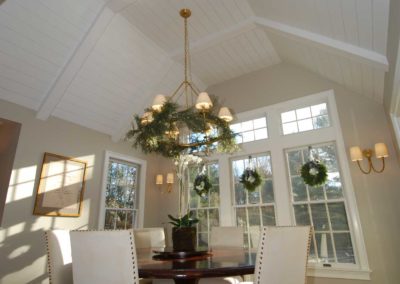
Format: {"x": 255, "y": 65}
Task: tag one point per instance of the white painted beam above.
{"x": 332, "y": 45}
{"x": 216, "y": 38}
{"x": 80, "y": 55}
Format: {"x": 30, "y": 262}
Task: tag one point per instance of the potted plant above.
{"x": 183, "y": 232}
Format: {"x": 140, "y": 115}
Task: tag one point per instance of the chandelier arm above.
{"x": 177, "y": 90}
{"x": 194, "y": 88}
{"x": 383, "y": 166}
{"x": 370, "y": 167}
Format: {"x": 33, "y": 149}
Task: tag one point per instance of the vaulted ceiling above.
{"x": 95, "y": 62}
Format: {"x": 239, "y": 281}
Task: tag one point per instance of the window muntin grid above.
{"x": 206, "y": 209}
{"x": 121, "y": 195}
{"x": 323, "y": 206}
{"x": 250, "y": 130}
{"x": 305, "y": 119}
{"x": 253, "y": 209}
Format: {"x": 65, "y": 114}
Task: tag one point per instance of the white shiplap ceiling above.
{"x": 95, "y": 62}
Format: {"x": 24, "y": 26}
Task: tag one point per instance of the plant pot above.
{"x": 184, "y": 238}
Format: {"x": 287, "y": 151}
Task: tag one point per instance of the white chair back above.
{"x": 104, "y": 257}
{"x": 149, "y": 238}
{"x": 282, "y": 255}
{"x": 226, "y": 237}
{"x": 59, "y": 262}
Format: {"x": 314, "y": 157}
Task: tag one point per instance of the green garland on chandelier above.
{"x": 151, "y": 137}
{"x": 314, "y": 173}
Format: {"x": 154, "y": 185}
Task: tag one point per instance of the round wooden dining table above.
{"x": 216, "y": 263}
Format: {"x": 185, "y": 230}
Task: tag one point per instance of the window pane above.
{"x": 301, "y": 214}
{"x": 268, "y": 215}
{"x": 305, "y": 125}
{"x": 299, "y": 189}
{"x": 288, "y": 116}
{"x": 254, "y": 197}
{"x": 130, "y": 219}
{"x": 214, "y": 218}
{"x": 267, "y": 192}
{"x": 319, "y": 109}
{"x": 110, "y": 220}
{"x": 203, "y": 239}
{"x": 241, "y": 219}
{"x": 325, "y": 249}
{"x": 320, "y": 121}
{"x": 333, "y": 186}
{"x": 338, "y": 216}
{"x": 121, "y": 218}
{"x": 316, "y": 193}
{"x": 248, "y": 136}
{"x": 302, "y": 113}
{"x": 247, "y": 125}
{"x": 295, "y": 162}
{"x": 260, "y": 134}
{"x": 254, "y": 216}
{"x": 319, "y": 217}
{"x": 289, "y": 128}
{"x": 202, "y": 216}
{"x": 260, "y": 123}
{"x": 236, "y": 128}
{"x": 344, "y": 248}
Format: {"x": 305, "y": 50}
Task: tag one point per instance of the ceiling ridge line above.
{"x": 351, "y": 51}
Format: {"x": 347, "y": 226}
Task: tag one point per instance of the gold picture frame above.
{"x": 61, "y": 186}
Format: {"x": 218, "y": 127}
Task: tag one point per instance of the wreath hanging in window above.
{"x": 202, "y": 184}
{"x": 250, "y": 178}
{"x": 314, "y": 172}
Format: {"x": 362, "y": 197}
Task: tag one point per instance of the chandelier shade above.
{"x": 170, "y": 129}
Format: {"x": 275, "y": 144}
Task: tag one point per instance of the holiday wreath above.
{"x": 314, "y": 173}
{"x": 250, "y": 179}
{"x": 202, "y": 185}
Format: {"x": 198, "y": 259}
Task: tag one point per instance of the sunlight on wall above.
{"x": 22, "y": 183}
{"x": 19, "y": 251}
{"x": 90, "y": 160}
{"x": 15, "y": 229}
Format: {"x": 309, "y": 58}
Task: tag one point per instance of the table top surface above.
{"x": 217, "y": 263}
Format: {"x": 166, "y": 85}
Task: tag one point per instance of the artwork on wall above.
{"x": 61, "y": 186}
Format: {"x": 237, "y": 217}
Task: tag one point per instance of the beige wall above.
{"x": 363, "y": 123}
{"x": 22, "y": 251}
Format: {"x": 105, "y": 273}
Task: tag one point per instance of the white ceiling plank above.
{"x": 379, "y": 82}
{"x": 380, "y": 24}
{"x": 16, "y": 98}
{"x": 364, "y": 20}
{"x": 350, "y": 21}
{"x": 216, "y": 38}
{"x": 344, "y": 49}
{"x": 75, "y": 63}
{"x": 336, "y": 19}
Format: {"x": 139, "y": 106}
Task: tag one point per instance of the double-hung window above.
{"x": 122, "y": 192}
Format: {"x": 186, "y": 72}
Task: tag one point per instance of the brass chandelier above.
{"x": 169, "y": 129}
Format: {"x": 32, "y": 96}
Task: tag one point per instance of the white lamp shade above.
{"x": 381, "y": 150}
{"x": 159, "y": 179}
{"x": 147, "y": 118}
{"x": 225, "y": 114}
{"x": 203, "y": 101}
{"x": 170, "y": 178}
{"x": 158, "y": 102}
{"x": 356, "y": 154}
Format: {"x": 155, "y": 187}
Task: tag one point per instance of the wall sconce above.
{"x": 170, "y": 181}
{"x": 381, "y": 152}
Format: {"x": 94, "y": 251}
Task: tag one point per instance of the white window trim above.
{"x": 142, "y": 183}
{"x": 275, "y": 143}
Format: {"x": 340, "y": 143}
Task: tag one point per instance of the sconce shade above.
{"x": 159, "y": 179}
{"x": 158, "y": 102}
{"x": 170, "y": 178}
{"x": 356, "y": 154}
{"x": 381, "y": 150}
{"x": 203, "y": 101}
{"x": 225, "y": 114}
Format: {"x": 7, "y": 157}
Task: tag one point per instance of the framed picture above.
{"x": 61, "y": 186}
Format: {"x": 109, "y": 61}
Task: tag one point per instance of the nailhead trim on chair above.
{"x": 46, "y": 239}
{"x": 264, "y": 233}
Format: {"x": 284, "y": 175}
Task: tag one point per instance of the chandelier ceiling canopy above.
{"x": 170, "y": 129}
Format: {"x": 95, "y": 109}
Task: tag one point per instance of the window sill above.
{"x": 335, "y": 272}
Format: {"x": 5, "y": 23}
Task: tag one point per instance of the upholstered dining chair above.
{"x": 224, "y": 237}
{"x": 104, "y": 257}
{"x": 149, "y": 237}
{"x": 59, "y": 262}
{"x": 282, "y": 255}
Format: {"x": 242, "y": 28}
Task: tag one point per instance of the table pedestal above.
{"x": 186, "y": 281}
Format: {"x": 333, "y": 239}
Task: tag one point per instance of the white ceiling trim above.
{"x": 216, "y": 38}
{"x": 345, "y": 49}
